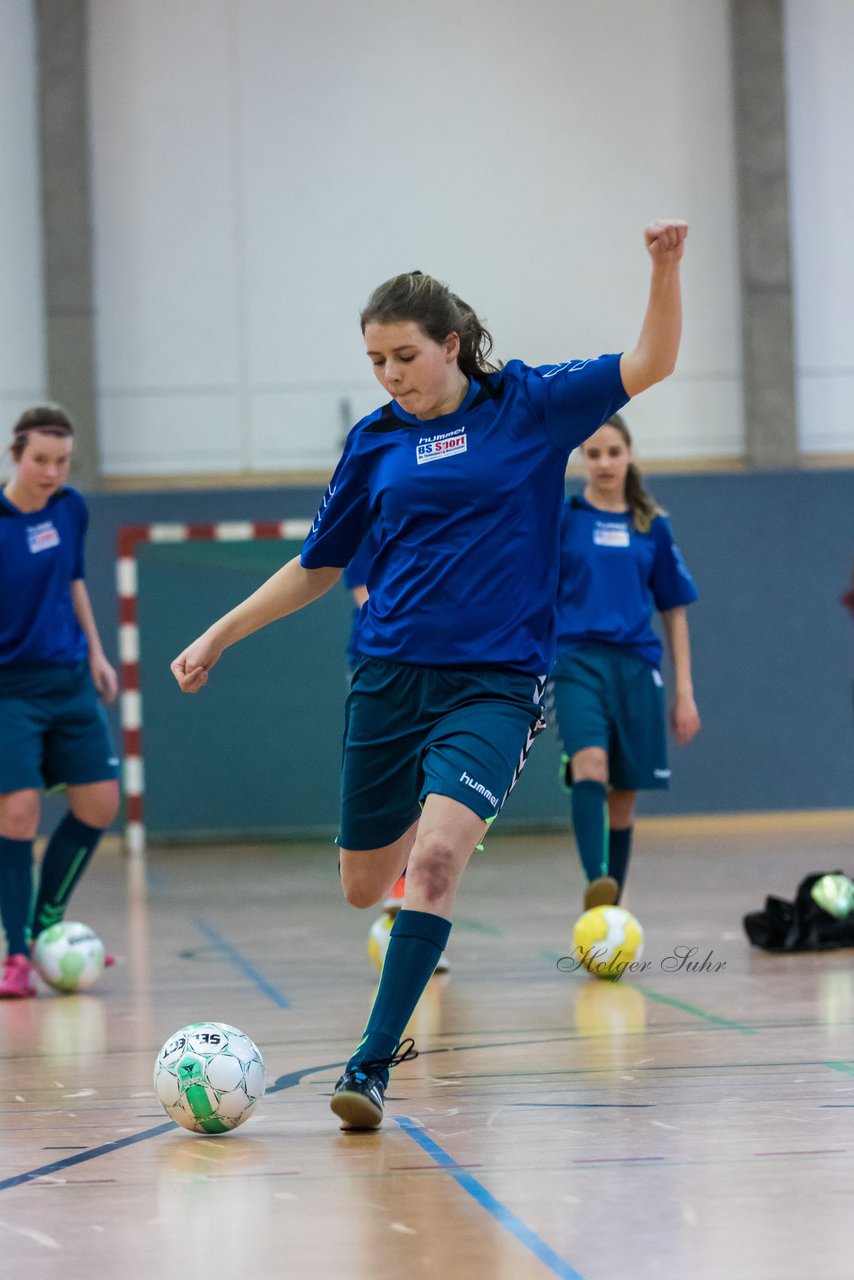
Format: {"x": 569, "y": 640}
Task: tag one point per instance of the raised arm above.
{"x": 684, "y": 717}
{"x": 654, "y": 356}
{"x": 291, "y": 588}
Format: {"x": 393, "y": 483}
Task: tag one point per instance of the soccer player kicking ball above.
{"x": 461, "y": 476}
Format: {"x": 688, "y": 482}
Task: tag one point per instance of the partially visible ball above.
{"x": 69, "y": 956}
{"x": 607, "y": 940}
{"x": 378, "y": 939}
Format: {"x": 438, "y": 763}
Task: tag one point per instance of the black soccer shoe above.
{"x": 360, "y": 1093}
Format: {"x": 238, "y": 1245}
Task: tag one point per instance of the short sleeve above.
{"x": 356, "y": 573}
{"x": 671, "y": 582}
{"x": 575, "y": 398}
{"x": 342, "y": 517}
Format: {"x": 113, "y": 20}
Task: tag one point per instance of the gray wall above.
{"x": 258, "y": 750}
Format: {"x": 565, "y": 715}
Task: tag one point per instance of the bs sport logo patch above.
{"x": 430, "y": 448}
{"x": 42, "y": 536}
{"x": 610, "y": 535}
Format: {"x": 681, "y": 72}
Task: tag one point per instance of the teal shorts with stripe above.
{"x": 603, "y": 696}
{"x": 53, "y": 729}
{"x": 414, "y": 731}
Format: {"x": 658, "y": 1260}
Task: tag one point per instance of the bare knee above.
{"x": 434, "y": 868}
{"x": 362, "y": 881}
{"x": 19, "y": 815}
{"x": 96, "y": 804}
{"x": 360, "y": 893}
{"x": 590, "y": 765}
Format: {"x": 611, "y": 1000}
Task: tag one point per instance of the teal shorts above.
{"x": 53, "y": 729}
{"x": 602, "y": 696}
{"x": 415, "y": 731}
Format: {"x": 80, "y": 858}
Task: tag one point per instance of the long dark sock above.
{"x": 619, "y": 849}
{"x": 16, "y": 892}
{"x": 588, "y": 819}
{"x": 416, "y": 942}
{"x": 65, "y": 859}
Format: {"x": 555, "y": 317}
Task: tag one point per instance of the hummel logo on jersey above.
{"x": 429, "y": 448}
{"x": 324, "y": 504}
{"x": 42, "y": 536}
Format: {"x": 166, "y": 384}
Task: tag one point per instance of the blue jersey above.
{"x": 465, "y": 509}
{"x": 41, "y": 554}
{"x": 356, "y": 573}
{"x": 612, "y": 578}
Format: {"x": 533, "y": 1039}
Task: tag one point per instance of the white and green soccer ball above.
{"x": 69, "y": 956}
{"x": 209, "y": 1076}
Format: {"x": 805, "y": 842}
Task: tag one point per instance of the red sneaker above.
{"x": 15, "y": 983}
{"x": 109, "y": 961}
{"x": 394, "y": 901}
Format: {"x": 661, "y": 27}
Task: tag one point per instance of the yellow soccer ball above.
{"x": 378, "y": 939}
{"x": 607, "y": 940}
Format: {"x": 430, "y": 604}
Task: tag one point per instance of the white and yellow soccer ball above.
{"x": 607, "y": 940}
{"x": 69, "y": 956}
{"x": 378, "y": 938}
{"x": 209, "y": 1077}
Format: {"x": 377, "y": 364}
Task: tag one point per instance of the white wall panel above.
{"x": 820, "y": 57}
{"x": 261, "y": 166}
{"x": 22, "y": 341}
{"x": 157, "y": 431}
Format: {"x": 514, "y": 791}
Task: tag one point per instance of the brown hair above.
{"x": 642, "y": 505}
{"x": 50, "y": 419}
{"x": 431, "y": 305}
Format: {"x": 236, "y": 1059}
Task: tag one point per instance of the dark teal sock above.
{"x": 16, "y": 892}
{"x": 588, "y": 820}
{"x": 619, "y": 849}
{"x": 416, "y": 941}
{"x": 65, "y": 859}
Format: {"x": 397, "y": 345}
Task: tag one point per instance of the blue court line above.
{"x": 59, "y": 1165}
{"x": 487, "y": 1201}
{"x": 288, "y": 1081}
{"x": 222, "y": 944}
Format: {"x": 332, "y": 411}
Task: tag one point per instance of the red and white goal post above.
{"x": 130, "y": 536}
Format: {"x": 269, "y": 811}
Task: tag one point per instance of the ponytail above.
{"x": 430, "y": 304}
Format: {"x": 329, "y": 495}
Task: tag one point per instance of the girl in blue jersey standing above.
{"x": 52, "y": 669}
{"x": 461, "y": 478}
{"x": 618, "y": 563}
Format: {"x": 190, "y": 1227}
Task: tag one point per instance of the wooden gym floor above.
{"x": 679, "y": 1124}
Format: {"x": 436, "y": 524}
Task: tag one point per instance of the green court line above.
{"x": 692, "y": 1009}
{"x": 478, "y": 926}
{"x": 847, "y": 1068}
{"x": 715, "y": 1019}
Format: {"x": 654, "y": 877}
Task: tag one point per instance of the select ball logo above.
{"x": 431, "y": 448}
